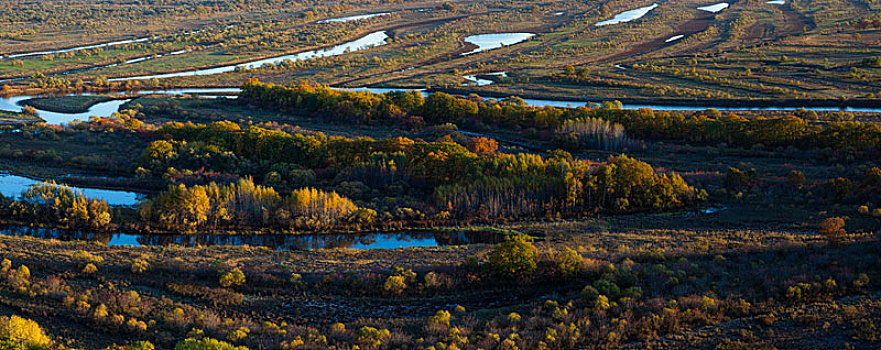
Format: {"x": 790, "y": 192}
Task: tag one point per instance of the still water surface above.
{"x": 274, "y": 242}
{"x": 14, "y": 186}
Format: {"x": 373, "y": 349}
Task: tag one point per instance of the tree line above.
{"x": 709, "y": 127}
{"x": 244, "y": 204}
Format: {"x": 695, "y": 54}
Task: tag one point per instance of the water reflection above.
{"x": 486, "y": 42}
{"x": 14, "y": 186}
{"x": 275, "y": 242}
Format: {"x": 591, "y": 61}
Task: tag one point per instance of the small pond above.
{"x": 353, "y": 18}
{"x": 715, "y": 7}
{"x": 492, "y": 41}
{"x": 674, "y": 38}
{"x": 628, "y": 16}
{"x": 474, "y": 80}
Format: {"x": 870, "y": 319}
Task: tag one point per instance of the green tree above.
{"x": 568, "y": 261}
{"x": 442, "y": 108}
{"x": 395, "y": 285}
{"x": 514, "y": 257}
{"x": 372, "y": 336}
{"x": 233, "y": 278}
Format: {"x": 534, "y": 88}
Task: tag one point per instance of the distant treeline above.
{"x": 710, "y": 127}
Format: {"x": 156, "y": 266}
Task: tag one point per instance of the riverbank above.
{"x": 18, "y": 119}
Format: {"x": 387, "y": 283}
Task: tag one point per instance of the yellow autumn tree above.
{"x": 319, "y": 208}
{"x": 23, "y": 331}
{"x": 59, "y": 203}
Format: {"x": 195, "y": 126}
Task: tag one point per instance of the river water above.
{"x": 105, "y": 109}
{"x": 77, "y": 48}
{"x": 14, "y": 186}
{"x": 362, "y": 43}
{"x": 275, "y": 242}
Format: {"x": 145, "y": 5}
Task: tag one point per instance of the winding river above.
{"x": 105, "y": 109}
{"x": 370, "y": 40}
